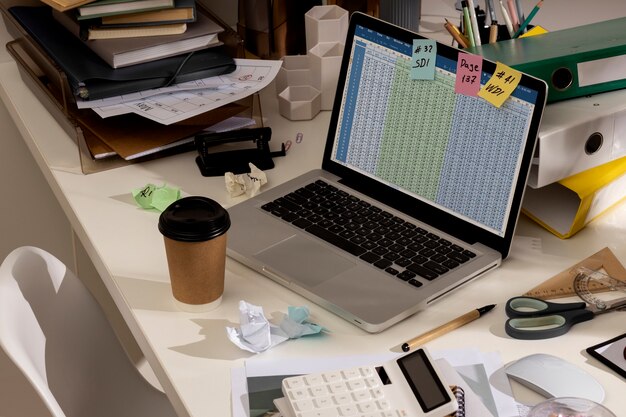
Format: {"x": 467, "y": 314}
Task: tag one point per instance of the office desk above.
{"x": 190, "y": 353}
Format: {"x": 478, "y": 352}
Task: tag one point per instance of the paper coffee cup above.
{"x": 194, "y": 232}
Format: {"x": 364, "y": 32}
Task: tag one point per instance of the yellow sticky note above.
{"x": 500, "y": 85}
{"x": 537, "y": 30}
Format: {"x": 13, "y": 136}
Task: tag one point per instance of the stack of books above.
{"x": 147, "y": 44}
{"x": 114, "y": 19}
{"x": 137, "y": 31}
{"x": 112, "y": 48}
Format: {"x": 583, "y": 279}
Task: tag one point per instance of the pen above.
{"x": 456, "y": 34}
{"x": 492, "y": 11}
{"x": 467, "y": 24}
{"x": 493, "y": 32}
{"x": 507, "y": 19}
{"x": 520, "y": 11}
{"x": 448, "y": 327}
{"x": 513, "y": 13}
{"x": 528, "y": 19}
{"x": 474, "y": 22}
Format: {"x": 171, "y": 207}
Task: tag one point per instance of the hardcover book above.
{"x": 63, "y": 5}
{"x": 184, "y": 11}
{"x": 102, "y": 32}
{"x": 101, "y": 8}
{"x": 120, "y": 53}
{"x": 90, "y": 77}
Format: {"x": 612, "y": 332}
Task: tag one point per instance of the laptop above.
{"x": 419, "y": 190}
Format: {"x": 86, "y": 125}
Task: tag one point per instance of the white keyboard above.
{"x": 353, "y": 392}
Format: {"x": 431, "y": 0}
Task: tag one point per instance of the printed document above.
{"x": 181, "y": 101}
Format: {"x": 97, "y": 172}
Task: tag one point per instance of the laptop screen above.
{"x": 459, "y": 154}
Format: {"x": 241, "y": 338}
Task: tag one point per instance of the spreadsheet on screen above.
{"x": 456, "y": 152}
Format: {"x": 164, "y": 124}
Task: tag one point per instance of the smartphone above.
{"x": 611, "y": 353}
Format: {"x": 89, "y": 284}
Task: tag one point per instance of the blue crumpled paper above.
{"x": 256, "y": 334}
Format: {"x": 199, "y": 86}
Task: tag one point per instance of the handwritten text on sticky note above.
{"x": 155, "y": 197}
{"x": 468, "y": 71}
{"x": 423, "y": 59}
{"x": 500, "y": 85}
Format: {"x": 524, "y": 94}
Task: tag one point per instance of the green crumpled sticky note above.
{"x": 152, "y": 196}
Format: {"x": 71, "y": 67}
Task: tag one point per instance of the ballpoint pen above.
{"x": 467, "y": 24}
{"x": 520, "y": 11}
{"x": 528, "y": 19}
{"x": 492, "y": 11}
{"x": 447, "y": 327}
{"x": 493, "y": 29}
{"x": 513, "y": 14}
{"x": 507, "y": 19}
{"x": 493, "y": 32}
{"x": 474, "y": 22}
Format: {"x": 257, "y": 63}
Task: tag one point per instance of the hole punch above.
{"x": 238, "y": 156}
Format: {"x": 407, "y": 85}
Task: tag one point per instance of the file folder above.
{"x": 565, "y": 207}
{"x": 90, "y": 77}
{"x": 574, "y": 62}
{"x": 579, "y": 134}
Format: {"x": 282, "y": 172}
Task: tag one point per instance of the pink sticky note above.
{"x": 468, "y": 71}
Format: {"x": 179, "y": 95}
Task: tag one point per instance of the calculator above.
{"x": 410, "y": 386}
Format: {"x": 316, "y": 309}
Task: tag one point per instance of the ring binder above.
{"x": 574, "y": 62}
{"x": 459, "y": 394}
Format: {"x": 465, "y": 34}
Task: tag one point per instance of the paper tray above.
{"x": 88, "y": 130}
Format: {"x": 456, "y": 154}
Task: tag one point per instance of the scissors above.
{"x": 531, "y": 318}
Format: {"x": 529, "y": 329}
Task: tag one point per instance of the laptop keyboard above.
{"x": 400, "y": 248}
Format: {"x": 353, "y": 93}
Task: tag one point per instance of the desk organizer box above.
{"x": 91, "y": 133}
{"x": 315, "y": 74}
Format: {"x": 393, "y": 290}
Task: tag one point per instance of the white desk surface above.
{"x": 191, "y": 354}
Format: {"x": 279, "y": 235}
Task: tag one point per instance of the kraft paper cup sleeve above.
{"x": 197, "y": 270}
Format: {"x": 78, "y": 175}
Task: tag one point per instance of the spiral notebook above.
{"x": 469, "y": 403}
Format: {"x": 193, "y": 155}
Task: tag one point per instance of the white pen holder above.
{"x": 301, "y": 102}
{"x": 325, "y": 24}
{"x": 325, "y": 65}
{"x": 296, "y": 70}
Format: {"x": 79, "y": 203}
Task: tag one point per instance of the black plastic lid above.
{"x": 194, "y": 219}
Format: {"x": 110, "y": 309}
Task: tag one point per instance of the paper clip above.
{"x": 299, "y": 137}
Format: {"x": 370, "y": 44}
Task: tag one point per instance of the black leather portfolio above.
{"x": 91, "y": 77}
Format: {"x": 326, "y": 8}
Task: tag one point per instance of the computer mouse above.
{"x": 554, "y": 377}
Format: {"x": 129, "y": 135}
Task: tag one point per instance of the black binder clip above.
{"x": 215, "y": 163}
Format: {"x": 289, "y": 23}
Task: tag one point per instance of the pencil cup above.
{"x": 296, "y": 70}
{"x": 325, "y": 64}
{"x": 194, "y": 232}
{"x": 301, "y": 102}
{"x": 325, "y": 24}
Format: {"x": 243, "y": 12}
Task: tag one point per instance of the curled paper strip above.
{"x": 249, "y": 183}
{"x": 256, "y": 334}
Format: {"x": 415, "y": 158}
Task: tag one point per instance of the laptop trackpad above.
{"x": 306, "y": 262}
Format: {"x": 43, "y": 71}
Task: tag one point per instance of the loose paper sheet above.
{"x": 255, "y": 384}
{"x": 182, "y": 101}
